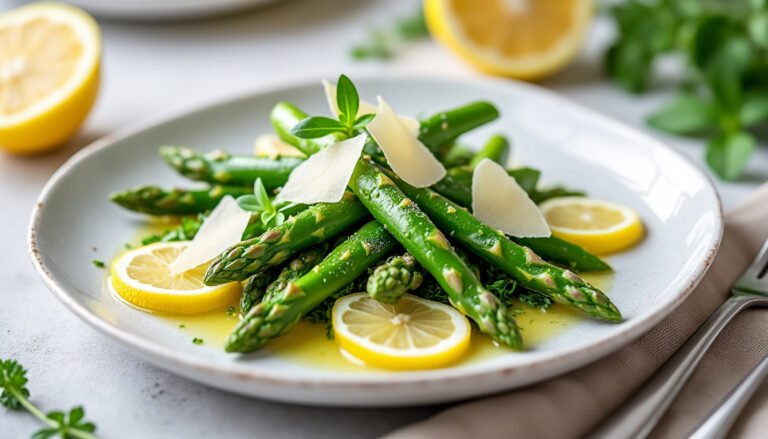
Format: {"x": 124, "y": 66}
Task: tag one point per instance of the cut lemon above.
{"x": 412, "y": 334}
{"x": 598, "y": 226}
{"x": 49, "y": 75}
{"x": 526, "y": 39}
{"x": 142, "y": 278}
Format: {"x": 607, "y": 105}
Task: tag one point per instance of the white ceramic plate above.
{"x": 569, "y": 143}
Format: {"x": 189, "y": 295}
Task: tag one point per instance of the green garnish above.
{"x": 15, "y": 395}
{"x": 182, "y": 326}
{"x": 386, "y": 43}
{"x": 724, "y": 94}
{"x": 260, "y": 203}
{"x": 98, "y": 264}
{"x": 348, "y": 102}
{"x": 197, "y": 341}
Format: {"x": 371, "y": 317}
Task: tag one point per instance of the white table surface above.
{"x": 150, "y": 69}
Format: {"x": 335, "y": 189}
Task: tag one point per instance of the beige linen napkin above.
{"x": 573, "y": 404}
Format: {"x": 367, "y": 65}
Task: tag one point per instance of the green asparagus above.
{"x": 154, "y": 200}
{"x": 298, "y": 267}
{"x": 414, "y": 230}
{"x": 456, "y": 186}
{"x": 254, "y": 289}
{"x": 220, "y": 167}
{"x": 440, "y": 130}
{"x": 312, "y": 226}
{"x": 520, "y": 262}
{"x": 393, "y": 278}
{"x": 343, "y": 265}
{"x": 496, "y": 149}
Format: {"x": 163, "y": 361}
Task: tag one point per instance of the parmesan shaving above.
{"x": 223, "y": 228}
{"x": 324, "y": 176}
{"x": 407, "y": 156}
{"x": 498, "y": 201}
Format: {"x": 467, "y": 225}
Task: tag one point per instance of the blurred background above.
{"x": 692, "y": 72}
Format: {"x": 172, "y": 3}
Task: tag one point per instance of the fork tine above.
{"x": 758, "y": 267}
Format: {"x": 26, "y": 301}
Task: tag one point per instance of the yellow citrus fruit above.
{"x": 598, "y": 226}
{"x": 142, "y": 277}
{"x": 525, "y": 39}
{"x": 413, "y": 334}
{"x": 49, "y": 75}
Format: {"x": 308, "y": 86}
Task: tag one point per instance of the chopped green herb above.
{"x": 15, "y": 395}
{"x": 197, "y": 340}
{"x": 387, "y": 43}
{"x": 128, "y": 246}
{"x": 182, "y": 326}
{"x": 98, "y": 264}
{"x": 231, "y": 311}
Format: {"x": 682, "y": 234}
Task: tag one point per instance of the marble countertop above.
{"x": 151, "y": 69}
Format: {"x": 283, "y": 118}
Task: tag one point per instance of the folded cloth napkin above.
{"x": 573, "y": 404}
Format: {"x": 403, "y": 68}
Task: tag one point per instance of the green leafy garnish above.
{"x": 386, "y": 43}
{"x": 15, "y": 395}
{"x": 98, "y": 263}
{"x": 197, "y": 341}
{"x": 725, "y": 90}
{"x": 260, "y": 203}
{"x": 348, "y": 124}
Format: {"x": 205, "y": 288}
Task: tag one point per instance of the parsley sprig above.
{"x": 15, "y": 395}
{"x": 269, "y": 214}
{"x": 348, "y": 124}
{"x": 724, "y": 96}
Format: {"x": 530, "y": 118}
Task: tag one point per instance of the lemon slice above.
{"x": 49, "y": 75}
{"x": 598, "y": 226}
{"x": 526, "y": 39}
{"x": 142, "y": 277}
{"x": 412, "y": 334}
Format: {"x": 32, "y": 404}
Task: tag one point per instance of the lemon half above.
{"x": 598, "y": 226}
{"x": 526, "y": 39}
{"x": 413, "y": 334}
{"x": 142, "y": 277}
{"x": 49, "y": 75}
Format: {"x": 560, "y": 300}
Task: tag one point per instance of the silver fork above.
{"x": 640, "y": 414}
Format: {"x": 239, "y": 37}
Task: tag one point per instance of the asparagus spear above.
{"x": 254, "y": 289}
{"x": 496, "y": 149}
{"x": 219, "y": 167}
{"x": 343, "y": 265}
{"x": 414, "y": 230}
{"x": 440, "y": 130}
{"x": 393, "y": 278}
{"x": 456, "y": 186}
{"x": 312, "y": 226}
{"x": 298, "y": 267}
{"x": 154, "y": 200}
{"x": 457, "y": 155}
{"x": 520, "y": 262}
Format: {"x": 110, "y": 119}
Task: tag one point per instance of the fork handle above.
{"x": 638, "y": 416}
{"x": 720, "y": 421}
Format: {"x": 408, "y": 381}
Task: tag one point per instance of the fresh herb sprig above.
{"x": 15, "y": 395}
{"x": 260, "y": 203}
{"x": 725, "y": 92}
{"x": 348, "y": 124}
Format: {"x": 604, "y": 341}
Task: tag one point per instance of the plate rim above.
{"x": 185, "y": 364}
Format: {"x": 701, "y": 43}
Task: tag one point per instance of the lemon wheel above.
{"x": 526, "y": 39}
{"x": 413, "y": 334}
{"x": 49, "y": 75}
{"x": 142, "y": 278}
{"x": 599, "y": 226}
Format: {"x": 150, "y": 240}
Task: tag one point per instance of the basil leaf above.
{"x": 363, "y": 120}
{"x": 728, "y": 154}
{"x": 250, "y": 203}
{"x": 261, "y": 194}
{"x": 754, "y": 109}
{"x": 688, "y": 114}
{"x": 725, "y": 85}
{"x": 317, "y": 126}
{"x": 347, "y": 100}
